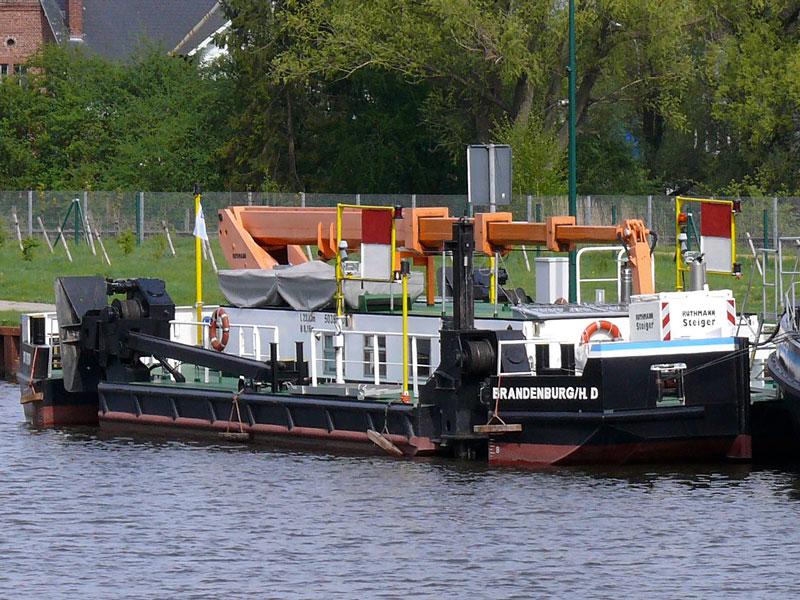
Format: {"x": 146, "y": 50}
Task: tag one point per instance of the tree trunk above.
{"x": 292, "y": 158}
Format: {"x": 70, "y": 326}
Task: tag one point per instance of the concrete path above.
{"x": 26, "y": 306}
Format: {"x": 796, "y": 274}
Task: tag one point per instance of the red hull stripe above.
{"x": 548, "y": 454}
{"x": 55, "y": 416}
{"x": 410, "y": 446}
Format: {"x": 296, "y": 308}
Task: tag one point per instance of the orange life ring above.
{"x": 596, "y": 326}
{"x": 216, "y": 316}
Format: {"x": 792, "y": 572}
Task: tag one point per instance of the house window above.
{"x": 3, "y": 70}
{"x": 369, "y": 350}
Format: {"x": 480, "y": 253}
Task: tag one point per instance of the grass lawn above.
{"x": 33, "y": 281}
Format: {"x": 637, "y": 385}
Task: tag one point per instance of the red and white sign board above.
{"x": 715, "y": 237}
{"x": 376, "y": 244}
{"x": 681, "y": 315}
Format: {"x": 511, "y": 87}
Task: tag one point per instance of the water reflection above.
{"x": 129, "y": 517}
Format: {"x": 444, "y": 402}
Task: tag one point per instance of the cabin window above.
{"x": 369, "y": 365}
{"x": 328, "y": 355}
{"x": 423, "y": 357}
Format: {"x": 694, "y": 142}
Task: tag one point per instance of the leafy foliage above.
{"x": 127, "y": 242}
{"x": 384, "y": 95}
{"x": 28, "y": 244}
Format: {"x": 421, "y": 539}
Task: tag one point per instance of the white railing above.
{"x": 376, "y": 363}
{"x": 255, "y": 336}
{"x": 620, "y": 253}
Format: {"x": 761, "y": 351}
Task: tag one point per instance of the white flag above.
{"x": 200, "y": 225}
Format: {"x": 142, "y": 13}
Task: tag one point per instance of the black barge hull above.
{"x": 616, "y": 412}
{"x": 307, "y": 419}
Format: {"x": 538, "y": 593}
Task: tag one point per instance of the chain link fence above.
{"x": 148, "y": 213}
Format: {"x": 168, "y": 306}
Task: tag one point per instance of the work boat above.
{"x": 367, "y": 355}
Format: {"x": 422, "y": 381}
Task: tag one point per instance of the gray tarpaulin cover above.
{"x": 309, "y": 286}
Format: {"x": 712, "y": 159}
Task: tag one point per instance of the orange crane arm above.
{"x": 264, "y": 236}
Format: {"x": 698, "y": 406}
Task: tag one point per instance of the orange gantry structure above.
{"x": 261, "y": 237}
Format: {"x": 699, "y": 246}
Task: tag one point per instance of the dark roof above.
{"x": 113, "y": 28}
{"x": 54, "y": 13}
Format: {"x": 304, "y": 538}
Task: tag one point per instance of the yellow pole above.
{"x": 405, "y": 337}
{"x": 339, "y": 274}
{"x": 492, "y": 281}
{"x": 198, "y": 273}
{"x": 678, "y": 256}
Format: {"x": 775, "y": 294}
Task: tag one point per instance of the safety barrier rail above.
{"x": 619, "y": 260}
{"x": 376, "y": 363}
{"x": 255, "y": 336}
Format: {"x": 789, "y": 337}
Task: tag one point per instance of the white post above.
{"x": 256, "y": 344}
{"x": 413, "y": 201}
{"x": 249, "y": 198}
{"x": 44, "y": 233}
{"x": 64, "y": 241}
{"x": 358, "y": 199}
{"x": 303, "y": 205}
{"x": 86, "y": 221}
{"x": 338, "y": 345}
{"x": 30, "y": 213}
{"x": 89, "y": 234}
{"x": 530, "y": 210}
{"x": 313, "y": 339}
{"x": 211, "y": 255}
{"x": 375, "y": 363}
{"x": 414, "y": 368}
{"x": 169, "y": 237}
{"x": 649, "y": 212}
{"x": 99, "y": 239}
{"x": 16, "y": 226}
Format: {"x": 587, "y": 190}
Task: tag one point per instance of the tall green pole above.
{"x": 573, "y": 201}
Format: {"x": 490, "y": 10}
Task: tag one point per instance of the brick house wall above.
{"x": 23, "y": 29}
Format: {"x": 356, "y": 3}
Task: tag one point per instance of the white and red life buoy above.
{"x": 219, "y": 319}
{"x": 603, "y": 326}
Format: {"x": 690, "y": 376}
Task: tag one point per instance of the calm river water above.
{"x": 87, "y": 517}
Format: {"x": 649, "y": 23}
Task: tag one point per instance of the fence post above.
{"x": 358, "y": 199}
{"x": 650, "y": 212}
{"x": 140, "y": 219}
{"x": 187, "y": 219}
{"x": 30, "y": 213}
{"x": 413, "y": 201}
{"x": 302, "y": 199}
{"x": 529, "y": 211}
{"x": 538, "y": 220}
{"x": 775, "y": 220}
{"x": 249, "y": 198}
{"x": 587, "y": 211}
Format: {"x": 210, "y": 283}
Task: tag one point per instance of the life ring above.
{"x": 596, "y": 326}
{"x": 217, "y": 316}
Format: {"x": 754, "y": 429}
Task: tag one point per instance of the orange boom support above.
{"x": 260, "y": 237}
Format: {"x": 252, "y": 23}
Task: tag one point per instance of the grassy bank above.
{"x": 32, "y": 281}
